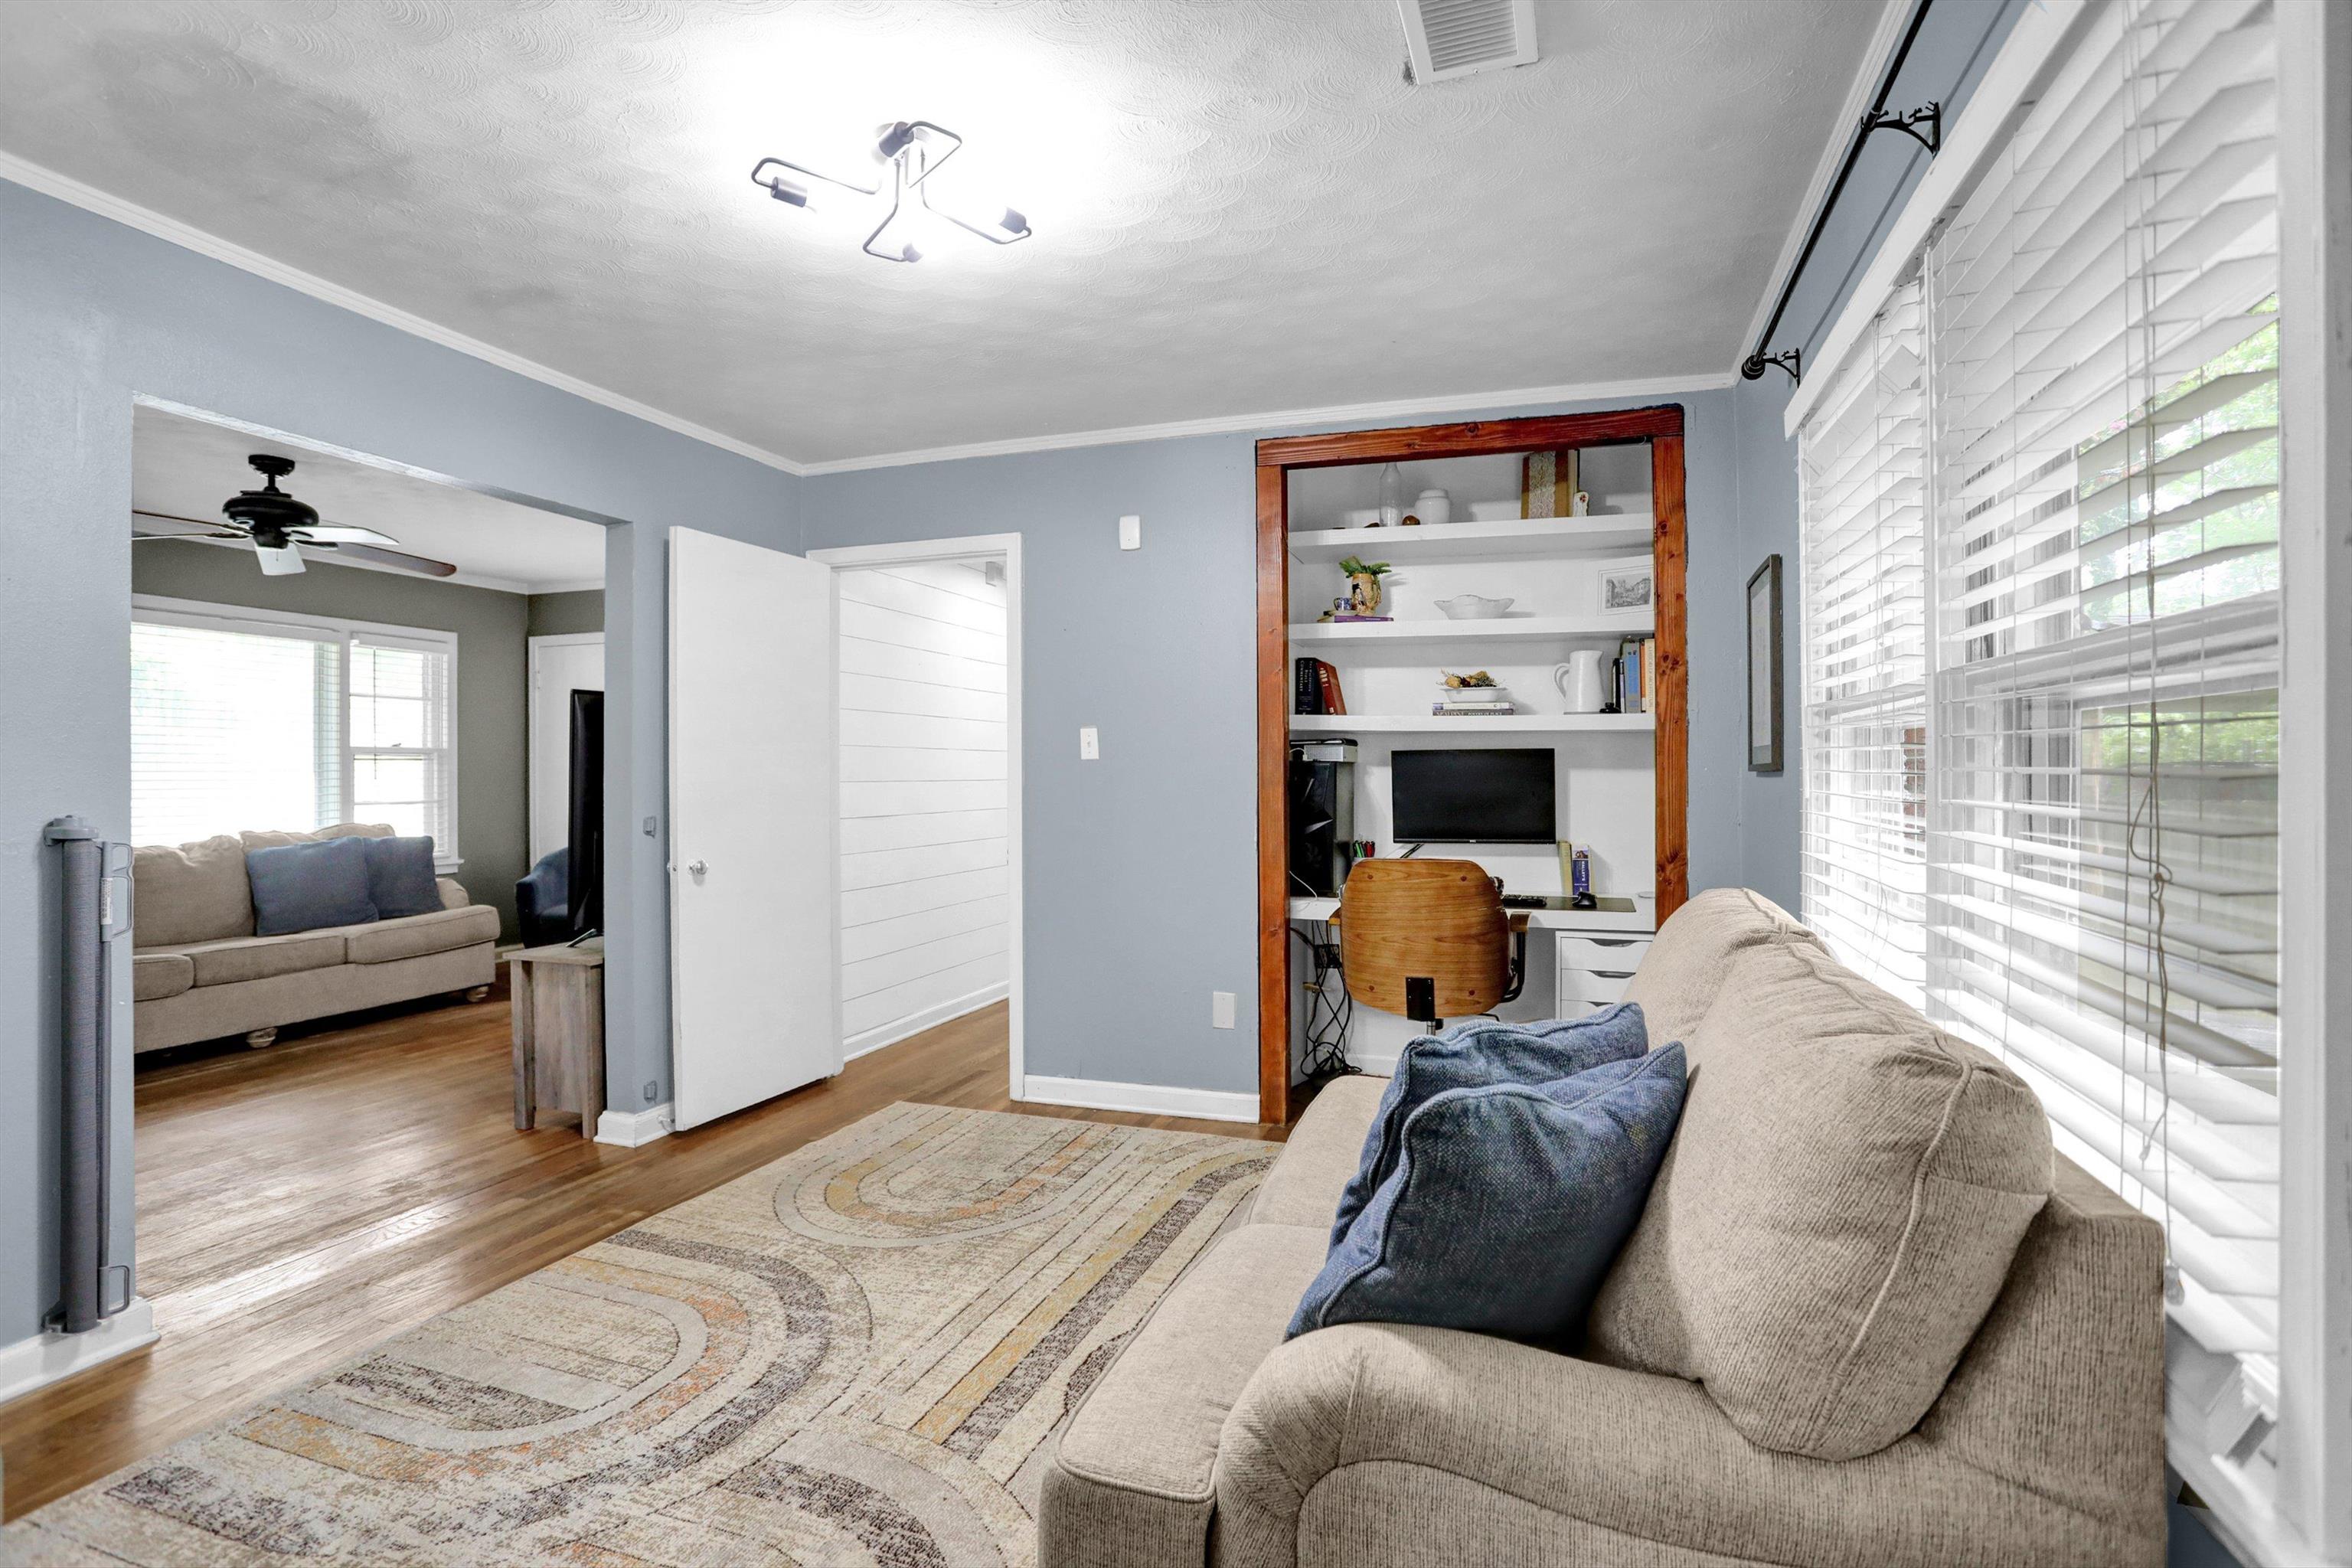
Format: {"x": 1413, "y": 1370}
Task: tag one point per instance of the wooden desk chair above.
{"x": 1429, "y": 939}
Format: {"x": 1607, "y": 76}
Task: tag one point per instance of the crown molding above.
{"x": 89, "y": 198}
{"x": 1338, "y": 413}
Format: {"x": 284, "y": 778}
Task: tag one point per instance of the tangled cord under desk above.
{"x": 1329, "y": 1008}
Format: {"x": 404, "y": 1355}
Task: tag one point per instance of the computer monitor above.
{"x": 1485, "y": 797}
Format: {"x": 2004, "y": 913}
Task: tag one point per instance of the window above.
{"x": 2042, "y": 797}
{"x": 253, "y": 719}
{"x": 1863, "y": 849}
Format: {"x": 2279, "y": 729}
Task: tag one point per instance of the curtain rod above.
{"x": 1875, "y": 118}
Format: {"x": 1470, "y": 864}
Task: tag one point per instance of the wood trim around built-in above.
{"x": 1662, "y": 426}
{"x": 1272, "y": 794}
{"x": 1670, "y": 704}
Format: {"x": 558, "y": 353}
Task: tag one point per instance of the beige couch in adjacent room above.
{"x": 199, "y": 972}
{"x": 1867, "y": 1321}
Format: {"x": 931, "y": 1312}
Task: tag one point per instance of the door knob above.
{"x": 696, "y": 867}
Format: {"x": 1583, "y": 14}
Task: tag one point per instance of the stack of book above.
{"x": 1635, "y": 674}
{"x": 1317, "y": 689}
{"x": 1473, "y": 702}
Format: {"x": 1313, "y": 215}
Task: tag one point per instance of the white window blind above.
{"x": 1863, "y": 469}
{"x": 231, "y": 728}
{"x": 2103, "y": 840}
{"x": 251, "y": 720}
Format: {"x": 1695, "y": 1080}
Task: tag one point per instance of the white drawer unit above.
{"x": 1593, "y": 969}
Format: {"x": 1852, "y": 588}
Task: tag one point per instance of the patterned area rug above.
{"x": 853, "y": 1356}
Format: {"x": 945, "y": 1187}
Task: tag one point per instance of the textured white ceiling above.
{"x": 188, "y": 468}
{"x": 1239, "y": 207}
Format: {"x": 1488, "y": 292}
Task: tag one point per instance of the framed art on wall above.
{"x": 1764, "y": 667}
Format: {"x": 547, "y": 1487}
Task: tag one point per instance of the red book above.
{"x": 1332, "y": 702}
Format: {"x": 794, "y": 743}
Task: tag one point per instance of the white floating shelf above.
{"x": 1468, "y": 723}
{"x": 1505, "y": 628}
{"x": 1521, "y": 539}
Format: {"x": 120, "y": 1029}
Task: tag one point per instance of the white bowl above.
{"x": 1471, "y": 607}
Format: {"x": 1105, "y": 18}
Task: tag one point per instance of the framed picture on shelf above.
{"x": 1626, "y": 588}
{"x": 1764, "y": 667}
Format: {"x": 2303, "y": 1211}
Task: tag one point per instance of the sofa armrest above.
{"x": 453, "y": 897}
{"x": 1377, "y": 1444}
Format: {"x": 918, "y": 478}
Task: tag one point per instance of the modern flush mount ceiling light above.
{"x": 913, "y": 150}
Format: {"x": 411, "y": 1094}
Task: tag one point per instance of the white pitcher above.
{"x": 1580, "y": 681}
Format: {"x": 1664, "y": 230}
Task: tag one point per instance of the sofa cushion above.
{"x": 155, "y": 975}
{"x": 1837, "y": 1212}
{"x": 400, "y": 877}
{"x": 190, "y": 892}
{"x": 1679, "y": 976}
{"x": 1324, "y": 1146}
{"x": 276, "y": 839}
{"x": 1507, "y": 1205}
{"x": 1130, "y": 1482}
{"x": 384, "y": 940}
{"x": 260, "y": 957}
{"x": 1473, "y": 1055}
{"x": 304, "y": 886}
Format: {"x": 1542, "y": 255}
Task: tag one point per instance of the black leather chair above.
{"x": 543, "y": 900}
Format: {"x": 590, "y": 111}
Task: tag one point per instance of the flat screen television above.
{"x": 1484, "y": 796}
{"x": 585, "y": 818}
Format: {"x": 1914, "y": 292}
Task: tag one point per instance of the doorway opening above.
{"x": 930, "y": 753}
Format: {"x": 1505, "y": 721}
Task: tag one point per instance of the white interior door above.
{"x": 754, "y": 804}
{"x": 560, "y": 666}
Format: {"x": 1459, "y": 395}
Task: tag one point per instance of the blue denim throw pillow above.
{"x": 301, "y": 887}
{"x": 400, "y": 877}
{"x": 1508, "y": 1205}
{"x": 1475, "y": 1053}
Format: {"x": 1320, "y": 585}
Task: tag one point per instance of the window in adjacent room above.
{"x": 252, "y": 720}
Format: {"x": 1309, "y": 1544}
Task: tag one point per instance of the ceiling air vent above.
{"x": 1446, "y": 38}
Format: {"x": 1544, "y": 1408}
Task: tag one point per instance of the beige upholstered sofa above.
{"x": 198, "y": 972}
{"x": 1867, "y": 1321}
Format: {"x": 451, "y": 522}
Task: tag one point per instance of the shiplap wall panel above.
{"x": 925, "y": 799}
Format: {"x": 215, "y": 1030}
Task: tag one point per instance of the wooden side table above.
{"x": 559, "y": 1032}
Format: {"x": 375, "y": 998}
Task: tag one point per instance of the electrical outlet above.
{"x": 1130, "y": 532}
{"x": 1221, "y": 1009}
{"x": 1089, "y": 745}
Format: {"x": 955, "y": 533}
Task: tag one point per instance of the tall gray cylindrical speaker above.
{"x": 93, "y": 911}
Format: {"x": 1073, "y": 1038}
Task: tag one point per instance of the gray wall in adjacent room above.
{"x": 491, "y": 722}
{"x": 564, "y": 615}
{"x": 1138, "y": 888}
{"x": 94, "y": 314}
{"x": 1956, "y": 44}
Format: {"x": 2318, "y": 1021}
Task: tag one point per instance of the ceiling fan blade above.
{"x": 152, "y": 538}
{"x": 343, "y": 533}
{"x": 398, "y": 558}
{"x": 283, "y": 561}
{"x": 196, "y": 527}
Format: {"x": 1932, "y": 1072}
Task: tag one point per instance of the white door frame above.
{"x": 1007, "y": 545}
{"x": 531, "y": 825}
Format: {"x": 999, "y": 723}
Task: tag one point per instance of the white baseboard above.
{"x": 632, "y": 1131}
{"x": 1147, "y": 1099}
{"x": 891, "y": 1033}
{"x": 46, "y": 1357}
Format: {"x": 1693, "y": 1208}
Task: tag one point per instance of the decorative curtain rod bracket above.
{"x": 1789, "y": 360}
{"x": 1930, "y": 115}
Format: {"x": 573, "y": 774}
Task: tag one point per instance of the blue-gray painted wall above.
{"x": 93, "y": 314}
{"x": 1140, "y": 882}
{"x": 1956, "y": 44}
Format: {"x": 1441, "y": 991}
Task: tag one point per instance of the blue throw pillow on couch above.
{"x": 1475, "y": 1053}
{"x": 400, "y": 877}
{"x": 1507, "y": 1205}
{"x": 301, "y": 887}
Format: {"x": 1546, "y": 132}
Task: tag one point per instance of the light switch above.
{"x": 1221, "y": 1009}
{"x": 1130, "y": 532}
{"x": 1089, "y": 745}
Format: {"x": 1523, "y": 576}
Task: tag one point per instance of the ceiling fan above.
{"x": 280, "y": 528}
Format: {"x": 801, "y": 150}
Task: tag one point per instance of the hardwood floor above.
{"x": 298, "y": 1205}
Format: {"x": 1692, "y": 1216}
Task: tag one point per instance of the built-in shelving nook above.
{"x": 1569, "y": 572}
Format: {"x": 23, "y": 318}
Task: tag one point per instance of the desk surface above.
{"x": 1641, "y": 920}
{"x": 590, "y": 951}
